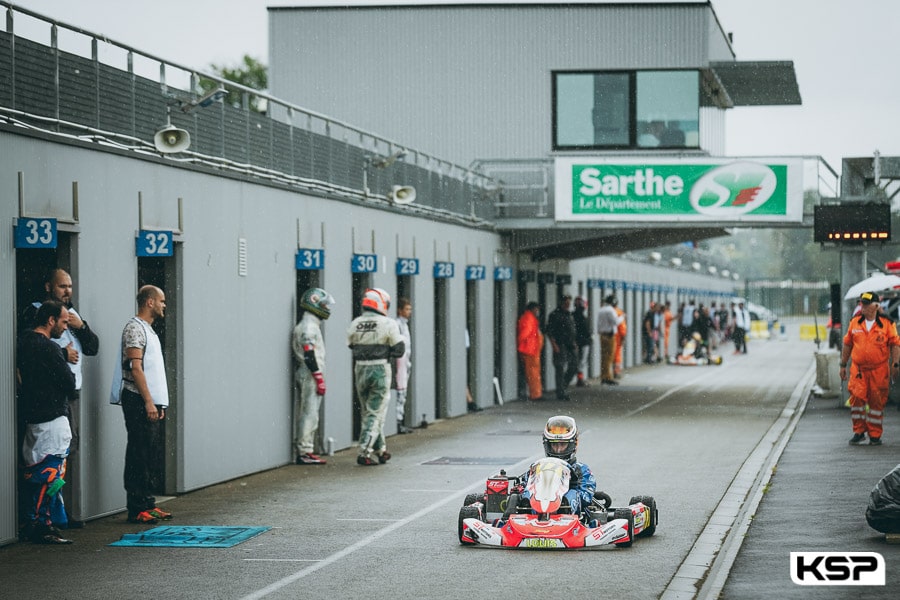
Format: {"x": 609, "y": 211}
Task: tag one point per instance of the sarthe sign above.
{"x": 685, "y": 190}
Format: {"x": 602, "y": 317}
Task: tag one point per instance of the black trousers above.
{"x": 565, "y": 365}
{"x": 139, "y": 453}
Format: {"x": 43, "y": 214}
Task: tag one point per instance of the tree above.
{"x": 250, "y": 73}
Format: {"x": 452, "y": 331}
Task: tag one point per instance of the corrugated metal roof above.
{"x": 759, "y": 83}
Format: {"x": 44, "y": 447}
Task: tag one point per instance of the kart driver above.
{"x": 560, "y": 441}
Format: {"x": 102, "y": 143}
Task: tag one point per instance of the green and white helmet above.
{"x": 318, "y": 302}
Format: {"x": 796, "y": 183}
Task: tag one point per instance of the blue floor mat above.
{"x": 190, "y": 537}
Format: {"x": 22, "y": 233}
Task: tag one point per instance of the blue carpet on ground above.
{"x": 190, "y": 537}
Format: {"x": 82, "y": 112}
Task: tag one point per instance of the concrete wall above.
{"x": 231, "y": 369}
{"x": 472, "y": 82}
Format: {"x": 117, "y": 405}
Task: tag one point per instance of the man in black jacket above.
{"x": 75, "y": 342}
{"x": 46, "y": 385}
{"x": 561, "y": 332}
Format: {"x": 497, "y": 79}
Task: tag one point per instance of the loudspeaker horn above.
{"x": 171, "y": 139}
{"x": 403, "y": 194}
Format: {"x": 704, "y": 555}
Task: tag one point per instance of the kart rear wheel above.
{"x": 625, "y": 513}
{"x": 512, "y": 506}
{"x": 466, "y": 512}
{"x": 472, "y": 499}
{"x": 650, "y": 503}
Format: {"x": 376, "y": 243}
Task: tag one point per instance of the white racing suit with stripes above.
{"x": 309, "y": 351}
{"x": 375, "y": 340}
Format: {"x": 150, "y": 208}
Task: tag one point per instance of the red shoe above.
{"x": 158, "y": 513}
{"x": 143, "y": 517}
{"x": 310, "y": 459}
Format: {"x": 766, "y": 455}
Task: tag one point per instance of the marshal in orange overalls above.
{"x": 870, "y": 373}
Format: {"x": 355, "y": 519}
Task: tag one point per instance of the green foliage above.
{"x": 250, "y": 73}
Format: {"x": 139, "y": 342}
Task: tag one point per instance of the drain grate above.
{"x": 475, "y": 460}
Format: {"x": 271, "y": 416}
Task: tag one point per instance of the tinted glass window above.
{"x": 642, "y": 109}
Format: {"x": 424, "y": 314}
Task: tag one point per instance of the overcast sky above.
{"x": 844, "y": 53}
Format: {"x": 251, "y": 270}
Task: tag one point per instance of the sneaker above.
{"x": 143, "y": 517}
{"x": 48, "y": 535}
{"x": 366, "y": 461}
{"x": 310, "y": 459}
{"x": 874, "y": 441}
{"x": 473, "y": 407}
{"x": 858, "y": 439}
{"x": 384, "y": 457}
{"x": 158, "y": 513}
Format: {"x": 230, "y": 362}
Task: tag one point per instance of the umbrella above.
{"x": 875, "y": 283}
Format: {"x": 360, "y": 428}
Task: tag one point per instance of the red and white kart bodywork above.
{"x": 502, "y": 518}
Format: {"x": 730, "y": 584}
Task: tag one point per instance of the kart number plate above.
{"x": 542, "y": 543}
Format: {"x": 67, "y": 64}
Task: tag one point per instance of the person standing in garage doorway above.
{"x": 140, "y": 387}
{"x": 309, "y": 377}
{"x": 403, "y": 363}
{"x": 76, "y": 342}
{"x": 374, "y": 339}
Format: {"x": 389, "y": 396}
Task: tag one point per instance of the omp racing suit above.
{"x": 374, "y": 340}
{"x": 309, "y": 350}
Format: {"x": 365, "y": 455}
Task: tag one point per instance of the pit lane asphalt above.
{"x": 702, "y": 440}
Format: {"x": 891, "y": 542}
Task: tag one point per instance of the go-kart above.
{"x": 531, "y": 512}
{"x": 695, "y": 353}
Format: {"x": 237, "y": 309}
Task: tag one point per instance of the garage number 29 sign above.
{"x": 154, "y": 243}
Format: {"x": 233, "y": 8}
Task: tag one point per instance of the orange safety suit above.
{"x": 530, "y": 343}
{"x": 621, "y": 332}
{"x": 668, "y": 317}
{"x": 869, "y": 378}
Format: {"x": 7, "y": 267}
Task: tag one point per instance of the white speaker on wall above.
{"x": 403, "y": 194}
{"x": 171, "y": 139}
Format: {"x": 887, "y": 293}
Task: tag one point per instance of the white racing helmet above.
{"x": 377, "y": 299}
{"x": 560, "y": 437}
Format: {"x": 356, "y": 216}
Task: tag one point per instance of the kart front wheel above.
{"x": 650, "y": 503}
{"x": 466, "y": 512}
{"x": 625, "y": 513}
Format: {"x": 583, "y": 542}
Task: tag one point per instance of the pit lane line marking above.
{"x": 285, "y": 581}
{"x": 664, "y": 396}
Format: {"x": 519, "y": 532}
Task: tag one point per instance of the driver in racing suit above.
{"x": 560, "y": 441}
{"x": 375, "y": 340}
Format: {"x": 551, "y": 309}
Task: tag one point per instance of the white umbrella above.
{"x": 875, "y": 283}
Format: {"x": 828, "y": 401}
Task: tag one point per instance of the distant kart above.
{"x": 695, "y": 353}
{"x": 502, "y": 517}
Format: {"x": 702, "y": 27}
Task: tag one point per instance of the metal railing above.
{"x": 84, "y": 97}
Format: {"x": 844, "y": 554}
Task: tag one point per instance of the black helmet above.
{"x": 561, "y": 437}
